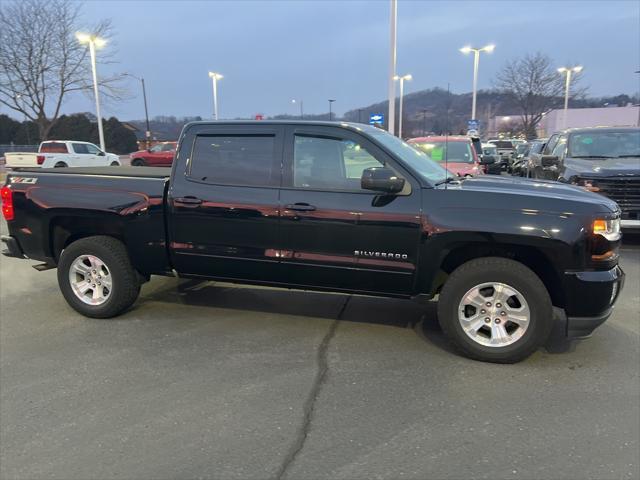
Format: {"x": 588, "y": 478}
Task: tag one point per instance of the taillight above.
{"x": 7, "y": 203}
{"x": 40, "y": 159}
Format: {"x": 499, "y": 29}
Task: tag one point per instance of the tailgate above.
{"x": 19, "y": 159}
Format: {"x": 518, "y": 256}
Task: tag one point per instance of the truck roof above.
{"x": 319, "y": 123}
{"x": 600, "y": 129}
{"x": 441, "y": 138}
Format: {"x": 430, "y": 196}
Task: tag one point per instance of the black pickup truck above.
{"x": 328, "y": 206}
{"x": 600, "y": 159}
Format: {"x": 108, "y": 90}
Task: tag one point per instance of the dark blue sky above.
{"x": 272, "y": 51}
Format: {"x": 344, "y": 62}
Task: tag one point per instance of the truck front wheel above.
{"x": 96, "y": 277}
{"x": 495, "y": 310}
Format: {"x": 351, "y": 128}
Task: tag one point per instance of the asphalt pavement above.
{"x": 210, "y": 380}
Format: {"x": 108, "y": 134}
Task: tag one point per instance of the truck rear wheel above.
{"x": 96, "y": 277}
{"x": 495, "y": 310}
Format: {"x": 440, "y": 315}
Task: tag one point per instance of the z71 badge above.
{"x": 30, "y": 180}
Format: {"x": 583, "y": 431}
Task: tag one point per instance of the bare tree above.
{"x": 41, "y": 61}
{"x": 536, "y": 87}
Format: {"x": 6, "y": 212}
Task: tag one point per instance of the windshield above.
{"x": 417, "y": 160}
{"x": 605, "y": 144}
{"x": 522, "y": 148}
{"x": 502, "y": 143}
{"x": 489, "y": 150}
{"x": 455, "y": 152}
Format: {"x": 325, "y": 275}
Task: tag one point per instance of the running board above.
{"x": 41, "y": 267}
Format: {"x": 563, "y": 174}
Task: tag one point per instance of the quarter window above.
{"x": 551, "y": 144}
{"x": 235, "y": 160}
{"x": 560, "y": 147}
{"x": 330, "y": 163}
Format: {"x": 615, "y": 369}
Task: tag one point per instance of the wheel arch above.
{"x": 66, "y": 229}
{"x": 535, "y": 258}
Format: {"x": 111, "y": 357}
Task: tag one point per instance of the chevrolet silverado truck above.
{"x": 333, "y": 207}
{"x": 605, "y": 160}
{"x": 62, "y": 153}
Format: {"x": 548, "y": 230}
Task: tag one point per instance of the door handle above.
{"x": 188, "y": 201}
{"x": 300, "y": 207}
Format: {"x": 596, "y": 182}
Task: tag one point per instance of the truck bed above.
{"x": 136, "y": 172}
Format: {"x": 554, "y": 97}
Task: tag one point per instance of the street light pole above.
{"x": 301, "y": 110}
{"x": 402, "y": 79}
{"x": 330, "y": 103}
{"x": 567, "y": 86}
{"x": 214, "y": 78}
{"x": 94, "y": 42}
{"x": 476, "y": 65}
{"x": 393, "y": 23}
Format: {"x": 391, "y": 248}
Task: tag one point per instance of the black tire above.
{"x": 514, "y": 274}
{"x": 126, "y": 283}
{"x": 115, "y": 164}
{"x": 60, "y": 165}
{"x": 138, "y": 162}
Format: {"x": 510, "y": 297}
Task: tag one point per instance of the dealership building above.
{"x": 553, "y": 120}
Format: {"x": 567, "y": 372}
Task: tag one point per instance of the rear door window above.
{"x": 53, "y": 147}
{"x": 80, "y": 148}
{"x": 244, "y": 160}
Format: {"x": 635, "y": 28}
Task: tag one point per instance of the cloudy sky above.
{"x": 272, "y": 51}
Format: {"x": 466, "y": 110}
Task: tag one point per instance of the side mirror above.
{"x": 101, "y": 154}
{"x": 381, "y": 179}
{"x": 549, "y": 160}
{"x": 487, "y": 160}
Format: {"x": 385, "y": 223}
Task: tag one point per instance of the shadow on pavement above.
{"x": 398, "y": 313}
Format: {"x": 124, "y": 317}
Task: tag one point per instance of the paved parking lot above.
{"x": 206, "y": 380}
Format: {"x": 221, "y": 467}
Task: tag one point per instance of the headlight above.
{"x": 609, "y": 229}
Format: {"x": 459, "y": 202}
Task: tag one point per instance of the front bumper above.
{"x": 630, "y": 225}
{"x": 12, "y": 247}
{"x": 590, "y": 297}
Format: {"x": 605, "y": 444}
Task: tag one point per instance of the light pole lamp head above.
{"x": 215, "y": 75}
{"x": 404, "y": 77}
{"x": 576, "y": 69}
{"x": 489, "y": 48}
{"x": 466, "y": 49}
{"x": 88, "y": 38}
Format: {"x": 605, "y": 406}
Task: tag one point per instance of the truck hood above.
{"x": 550, "y": 195}
{"x": 463, "y": 168}
{"x": 602, "y": 167}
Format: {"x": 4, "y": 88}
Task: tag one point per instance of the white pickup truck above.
{"x": 63, "y": 153}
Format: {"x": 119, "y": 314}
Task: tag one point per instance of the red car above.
{"x": 458, "y": 151}
{"x": 160, "y": 155}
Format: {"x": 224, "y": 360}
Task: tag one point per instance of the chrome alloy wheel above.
{"x": 494, "y": 314}
{"x": 90, "y": 279}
